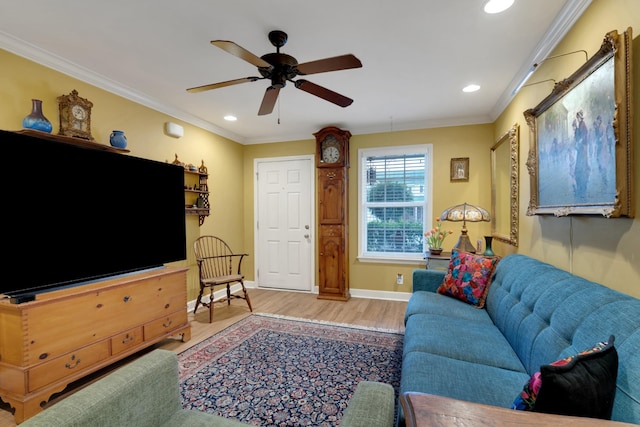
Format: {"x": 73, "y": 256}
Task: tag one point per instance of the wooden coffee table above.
{"x": 422, "y": 410}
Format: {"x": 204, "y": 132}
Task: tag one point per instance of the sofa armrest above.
{"x": 372, "y": 405}
{"x": 427, "y": 280}
{"x": 143, "y": 393}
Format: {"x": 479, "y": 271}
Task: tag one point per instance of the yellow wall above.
{"x": 462, "y": 141}
{"x": 21, "y": 80}
{"x": 603, "y": 250}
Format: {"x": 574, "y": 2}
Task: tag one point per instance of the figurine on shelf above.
{"x": 202, "y": 168}
{"x": 178, "y": 162}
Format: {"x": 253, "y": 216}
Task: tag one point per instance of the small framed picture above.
{"x": 460, "y": 169}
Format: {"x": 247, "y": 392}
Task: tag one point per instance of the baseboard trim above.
{"x": 355, "y": 293}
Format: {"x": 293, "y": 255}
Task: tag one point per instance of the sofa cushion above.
{"x": 468, "y": 277}
{"x": 423, "y": 302}
{"x": 434, "y": 374}
{"x": 476, "y": 342}
{"x": 459, "y": 379}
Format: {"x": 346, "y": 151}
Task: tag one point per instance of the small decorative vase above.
{"x": 487, "y": 250}
{"x": 435, "y": 251}
{"x": 36, "y": 120}
{"x": 117, "y": 139}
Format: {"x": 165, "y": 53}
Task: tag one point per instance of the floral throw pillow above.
{"x": 468, "y": 277}
{"x": 583, "y": 385}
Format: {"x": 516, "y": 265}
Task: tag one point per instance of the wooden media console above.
{"x": 66, "y": 334}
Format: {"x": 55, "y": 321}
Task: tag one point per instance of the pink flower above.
{"x": 435, "y": 237}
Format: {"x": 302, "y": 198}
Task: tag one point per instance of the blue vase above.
{"x": 117, "y": 139}
{"x": 36, "y": 120}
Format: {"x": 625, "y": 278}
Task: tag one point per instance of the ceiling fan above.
{"x": 280, "y": 68}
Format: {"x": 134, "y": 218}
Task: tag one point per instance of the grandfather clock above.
{"x": 332, "y": 163}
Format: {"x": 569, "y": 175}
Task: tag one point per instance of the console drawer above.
{"x": 126, "y": 340}
{"x": 164, "y": 324}
{"x": 68, "y": 364}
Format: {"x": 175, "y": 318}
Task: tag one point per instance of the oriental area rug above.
{"x": 270, "y": 370}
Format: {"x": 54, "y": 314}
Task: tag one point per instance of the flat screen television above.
{"x": 74, "y": 214}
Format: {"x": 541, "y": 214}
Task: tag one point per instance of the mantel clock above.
{"x": 75, "y": 116}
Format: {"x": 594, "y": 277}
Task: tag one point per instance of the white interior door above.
{"x": 284, "y": 213}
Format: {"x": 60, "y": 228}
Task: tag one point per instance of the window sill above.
{"x": 392, "y": 260}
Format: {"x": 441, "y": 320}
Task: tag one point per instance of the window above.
{"x": 394, "y": 199}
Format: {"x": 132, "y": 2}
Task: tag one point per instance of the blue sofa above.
{"x": 535, "y": 314}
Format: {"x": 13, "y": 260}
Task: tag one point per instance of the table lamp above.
{"x": 465, "y": 212}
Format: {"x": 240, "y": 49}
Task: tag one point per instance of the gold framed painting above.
{"x": 581, "y": 157}
{"x": 505, "y": 187}
{"x": 459, "y": 169}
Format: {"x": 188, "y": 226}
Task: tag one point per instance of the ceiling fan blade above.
{"x": 343, "y": 62}
{"x": 222, "y": 84}
{"x": 323, "y": 93}
{"x": 241, "y": 53}
{"x": 269, "y": 100}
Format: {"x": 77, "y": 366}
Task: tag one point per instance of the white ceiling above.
{"x": 416, "y": 55}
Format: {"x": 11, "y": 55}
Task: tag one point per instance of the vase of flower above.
{"x": 36, "y": 120}
{"x": 435, "y": 237}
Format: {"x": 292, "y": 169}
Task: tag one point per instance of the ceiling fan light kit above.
{"x": 280, "y": 68}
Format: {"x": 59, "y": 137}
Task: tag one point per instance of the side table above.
{"x": 438, "y": 262}
{"x": 428, "y": 410}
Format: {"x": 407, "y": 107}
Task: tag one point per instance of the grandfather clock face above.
{"x": 331, "y": 150}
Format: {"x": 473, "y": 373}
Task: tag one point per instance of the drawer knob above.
{"x": 71, "y": 366}
{"x": 126, "y": 298}
{"x": 168, "y": 323}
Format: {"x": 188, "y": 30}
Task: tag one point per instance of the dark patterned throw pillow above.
{"x": 583, "y": 385}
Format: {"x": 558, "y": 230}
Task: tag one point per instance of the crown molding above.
{"x": 565, "y": 20}
{"x": 40, "y": 56}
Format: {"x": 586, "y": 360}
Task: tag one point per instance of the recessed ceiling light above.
{"x": 230, "y": 118}
{"x": 497, "y": 6}
{"x": 471, "y": 88}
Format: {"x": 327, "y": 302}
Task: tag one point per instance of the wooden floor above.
{"x": 357, "y": 311}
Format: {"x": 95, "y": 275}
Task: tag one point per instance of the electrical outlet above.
{"x": 399, "y": 279}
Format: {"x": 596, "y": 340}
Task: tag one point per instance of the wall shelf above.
{"x": 197, "y": 193}
{"x": 71, "y": 140}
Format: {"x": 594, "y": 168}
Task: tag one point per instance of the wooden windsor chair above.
{"x": 218, "y": 265}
